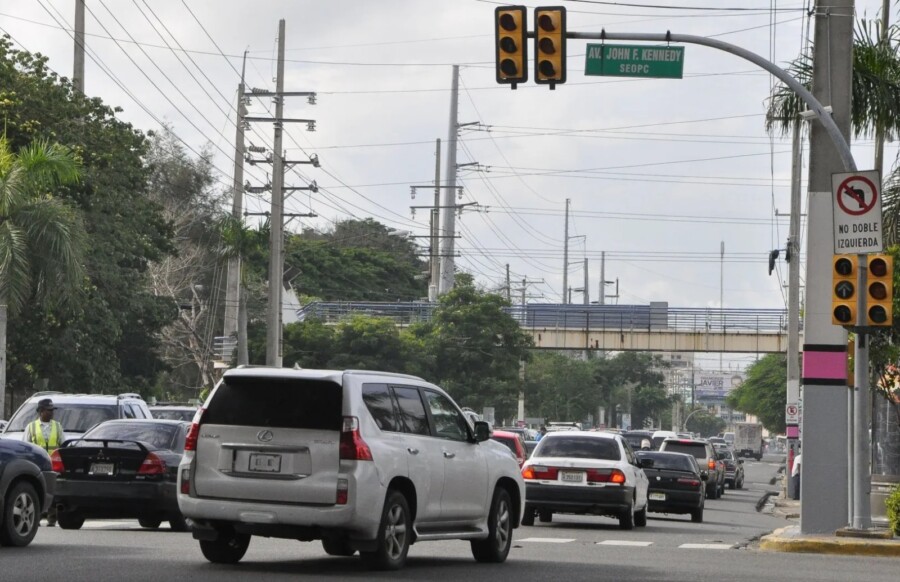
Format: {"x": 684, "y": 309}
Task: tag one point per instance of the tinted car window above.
{"x": 277, "y": 403}
{"x": 698, "y": 451}
{"x": 381, "y": 406}
{"x": 449, "y": 423}
{"x": 72, "y": 417}
{"x": 155, "y": 436}
{"x": 673, "y": 462}
{"x": 579, "y": 448}
{"x": 412, "y": 411}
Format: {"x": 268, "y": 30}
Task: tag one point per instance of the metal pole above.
{"x": 436, "y": 226}
{"x": 862, "y": 510}
{"x": 793, "y": 347}
{"x": 721, "y": 291}
{"x": 78, "y": 64}
{"x": 276, "y": 267}
{"x": 233, "y": 278}
{"x": 602, "y": 297}
{"x": 565, "y": 273}
{"x": 508, "y": 285}
{"x": 448, "y": 264}
{"x": 587, "y": 294}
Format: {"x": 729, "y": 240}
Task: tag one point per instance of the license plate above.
{"x": 101, "y": 469}
{"x": 657, "y": 496}
{"x": 571, "y": 476}
{"x": 265, "y": 463}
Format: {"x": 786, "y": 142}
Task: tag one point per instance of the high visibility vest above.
{"x": 37, "y": 435}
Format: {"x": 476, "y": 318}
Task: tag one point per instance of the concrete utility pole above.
{"x": 587, "y": 294}
{"x": 793, "y": 256}
{"x": 233, "y": 280}
{"x": 824, "y": 490}
{"x": 78, "y": 65}
{"x": 435, "y": 263}
{"x": 566, "y": 257}
{"x": 508, "y": 285}
{"x": 602, "y": 290}
{"x": 448, "y": 246}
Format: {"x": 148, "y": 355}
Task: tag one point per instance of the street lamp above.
{"x": 684, "y": 424}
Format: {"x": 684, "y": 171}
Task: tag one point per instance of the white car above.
{"x": 585, "y": 473}
{"x": 363, "y": 461}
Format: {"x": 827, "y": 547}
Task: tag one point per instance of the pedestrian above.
{"x": 47, "y": 434}
{"x": 540, "y": 434}
{"x": 795, "y": 475}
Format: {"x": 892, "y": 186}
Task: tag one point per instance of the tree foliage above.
{"x": 764, "y": 392}
{"x": 705, "y": 424}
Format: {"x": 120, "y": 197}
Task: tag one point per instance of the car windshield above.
{"x": 672, "y": 462}
{"x": 72, "y": 417}
{"x": 152, "y": 434}
{"x": 578, "y": 447}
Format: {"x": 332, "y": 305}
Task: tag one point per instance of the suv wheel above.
{"x": 545, "y": 515}
{"x": 149, "y": 522}
{"x": 528, "y": 516}
{"x": 640, "y": 518}
{"x": 21, "y": 516}
{"x": 697, "y": 515}
{"x": 177, "y": 522}
{"x": 228, "y": 548}
{"x": 337, "y": 547}
{"x": 496, "y": 546}
{"x": 626, "y": 519}
{"x": 394, "y": 532}
{"x": 69, "y": 520}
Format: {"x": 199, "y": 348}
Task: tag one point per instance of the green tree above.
{"x": 764, "y": 392}
{"x": 559, "y": 387}
{"x": 41, "y": 237}
{"x": 618, "y": 377}
{"x": 705, "y": 424}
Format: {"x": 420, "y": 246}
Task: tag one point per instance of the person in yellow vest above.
{"x": 47, "y": 434}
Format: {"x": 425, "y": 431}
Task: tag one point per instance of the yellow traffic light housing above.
{"x": 843, "y": 290}
{"x": 511, "y": 44}
{"x": 880, "y": 291}
{"x": 550, "y": 45}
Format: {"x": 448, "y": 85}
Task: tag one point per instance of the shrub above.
{"x": 893, "y": 509}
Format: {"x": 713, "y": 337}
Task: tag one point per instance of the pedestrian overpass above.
{"x": 654, "y": 328}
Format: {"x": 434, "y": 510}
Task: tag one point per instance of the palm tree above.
{"x": 41, "y": 237}
{"x": 238, "y": 242}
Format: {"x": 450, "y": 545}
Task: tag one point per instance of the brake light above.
{"x": 56, "y": 462}
{"x": 712, "y": 463}
{"x": 190, "y": 441}
{"x": 353, "y": 447}
{"x": 691, "y": 482}
{"x": 617, "y": 476}
{"x": 343, "y": 492}
{"x": 152, "y": 465}
{"x": 540, "y": 472}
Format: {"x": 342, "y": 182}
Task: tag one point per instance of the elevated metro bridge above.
{"x": 655, "y": 327}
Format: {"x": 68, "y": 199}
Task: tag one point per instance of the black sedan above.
{"x": 676, "y": 483}
{"x": 121, "y": 469}
{"x": 26, "y": 489}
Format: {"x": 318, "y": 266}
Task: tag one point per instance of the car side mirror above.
{"x": 646, "y": 463}
{"x": 482, "y": 431}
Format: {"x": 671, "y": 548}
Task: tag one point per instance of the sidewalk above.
{"x": 789, "y": 539}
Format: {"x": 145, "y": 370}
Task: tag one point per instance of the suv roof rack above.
{"x": 130, "y": 395}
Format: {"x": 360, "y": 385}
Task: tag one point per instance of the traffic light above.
{"x": 510, "y": 24}
{"x": 880, "y": 291}
{"x": 550, "y": 45}
{"x": 843, "y": 290}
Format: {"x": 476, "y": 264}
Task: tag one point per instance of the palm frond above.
{"x": 15, "y": 271}
{"x": 49, "y": 165}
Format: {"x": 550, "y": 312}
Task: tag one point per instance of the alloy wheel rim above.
{"x": 395, "y": 532}
{"x": 23, "y": 514}
{"x": 503, "y": 524}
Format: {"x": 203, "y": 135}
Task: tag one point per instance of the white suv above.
{"x": 364, "y": 461}
{"x": 77, "y": 412}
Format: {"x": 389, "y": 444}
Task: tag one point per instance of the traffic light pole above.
{"x": 861, "y": 516}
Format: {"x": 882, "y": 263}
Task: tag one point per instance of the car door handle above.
{"x": 449, "y": 455}
{"x": 413, "y": 451}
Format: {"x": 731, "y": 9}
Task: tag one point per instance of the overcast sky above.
{"x": 660, "y": 172}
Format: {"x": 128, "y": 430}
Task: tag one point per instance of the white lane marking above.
{"x": 111, "y": 524}
{"x": 623, "y": 543}
{"x": 549, "y": 540}
{"x": 706, "y": 546}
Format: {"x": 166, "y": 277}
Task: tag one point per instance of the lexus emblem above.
{"x": 265, "y": 436}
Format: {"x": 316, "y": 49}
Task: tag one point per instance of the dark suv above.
{"x": 26, "y": 490}
{"x": 706, "y": 457}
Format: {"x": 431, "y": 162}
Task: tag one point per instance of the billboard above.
{"x": 714, "y": 386}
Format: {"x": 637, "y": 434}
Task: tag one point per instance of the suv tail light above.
{"x": 186, "y": 481}
{"x": 56, "y": 462}
{"x": 152, "y": 465}
{"x": 190, "y": 441}
{"x": 712, "y": 463}
{"x": 343, "y": 492}
{"x": 353, "y": 447}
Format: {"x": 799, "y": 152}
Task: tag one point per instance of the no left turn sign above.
{"x": 856, "y": 205}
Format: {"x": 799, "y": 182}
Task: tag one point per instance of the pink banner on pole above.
{"x": 825, "y": 365}
{"x": 793, "y": 432}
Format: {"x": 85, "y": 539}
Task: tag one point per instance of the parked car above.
{"x": 77, "y": 412}
{"x": 363, "y": 461}
{"x": 706, "y": 457}
{"x": 123, "y": 469}
{"x": 173, "y": 412}
{"x": 514, "y": 442}
{"x": 676, "y": 484}
{"x": 27, "y": 483}
{"x": 579, "y": 472}
{"x": 734, "y": 469}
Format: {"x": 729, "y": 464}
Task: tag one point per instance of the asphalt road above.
{"x": 670, "y": 548}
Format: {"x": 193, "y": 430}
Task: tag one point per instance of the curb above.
{"x": 761, "y": 502}
{"x": 777, "y": 541}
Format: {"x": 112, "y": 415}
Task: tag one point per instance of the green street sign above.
{"x": 634, "y": 60}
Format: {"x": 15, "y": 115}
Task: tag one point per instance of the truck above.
{"x": 748, "y": 441}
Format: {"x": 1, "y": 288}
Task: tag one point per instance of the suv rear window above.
{"x": 277, "y": 403}
{"x": 579, "y": 448}
{"x": 696, "y": 450}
